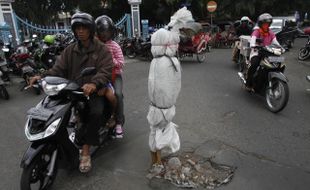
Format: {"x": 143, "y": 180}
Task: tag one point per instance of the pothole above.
{"x": 188, "y": 170}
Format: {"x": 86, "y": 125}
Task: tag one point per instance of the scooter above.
{"x": 137, "y": 47}
{"x": 51, "y": 127}
{"x": 269, "y": 80}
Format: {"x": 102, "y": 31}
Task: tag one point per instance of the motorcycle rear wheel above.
{"x": 304, "y": 53}
{"x": 277, "y": 96}
{"x": 4, "y": 93}
{"x": 130, "y": 52}
{"x": 35, "y": 175}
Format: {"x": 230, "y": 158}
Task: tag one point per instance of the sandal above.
{"x": 85, "y": 164}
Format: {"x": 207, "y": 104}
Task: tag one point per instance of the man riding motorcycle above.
{"x": 267, "y": 37}
{"x": 86, "y": 52}
{"x": 243, "y": 29}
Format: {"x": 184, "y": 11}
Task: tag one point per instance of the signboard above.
{"x": 134, "y": 2}
{"x": 211, "y": 6}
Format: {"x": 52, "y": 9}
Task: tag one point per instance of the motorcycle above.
{"x": 137, "y": 47}
{"x": 51, "y": 127}
{"x": 304, "y": 53}
{"x": 3, "y": 92}
{"x": 269, "y": 80}
{"x": 25, "y": 67}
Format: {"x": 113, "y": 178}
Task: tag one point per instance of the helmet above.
{"x": 84, "y": 19}
{"x": 49, "y": 39}
{"x": 264, "y": 18}
{"x": 245, "y": 18}
{"x": 105, "y": 24}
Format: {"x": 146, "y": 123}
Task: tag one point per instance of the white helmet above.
{"x": 245, "y": 18}
{"x": 264, "y": 18}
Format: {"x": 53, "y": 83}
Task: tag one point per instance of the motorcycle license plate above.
{"x": 39, "y": 114}
{"x": 276, "y": 59}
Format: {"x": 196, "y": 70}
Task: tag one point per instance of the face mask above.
{"x": 265, "y": 27}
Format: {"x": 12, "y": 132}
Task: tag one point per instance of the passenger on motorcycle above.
{"x": 86, "y": 52}
{"x": 268, "y": 37}
{"x": 244, "y": 28}
{"x": 106, "y": 31}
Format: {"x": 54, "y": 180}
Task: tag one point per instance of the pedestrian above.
{"x": 106, "y": 31}
{"x": 85, "y": 52}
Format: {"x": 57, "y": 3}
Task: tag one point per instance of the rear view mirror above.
{"x": 88, "y": 71}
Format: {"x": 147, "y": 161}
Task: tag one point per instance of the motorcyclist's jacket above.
{"x": 244, "y": 30}
{"x": 268, "y": 38}
{"x": 75, "y": 58}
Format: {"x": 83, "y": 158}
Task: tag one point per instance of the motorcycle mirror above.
{"x": 88, "y": 71}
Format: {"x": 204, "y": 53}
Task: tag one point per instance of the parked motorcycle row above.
{"x": 32, "y": 57}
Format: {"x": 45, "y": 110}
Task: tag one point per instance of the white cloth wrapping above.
{"x": 160, "y": 117}
{"x": 164, "y": 85}
{"x": 179, "y": 19}
{"x": 165, "y": 139}
{"x": 164, "y": 42}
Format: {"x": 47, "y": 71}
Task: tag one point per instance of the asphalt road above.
{"x": 216, "y": 119}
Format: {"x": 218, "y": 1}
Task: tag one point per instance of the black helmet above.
{"x": 84, "y": 19}
{"x": 264, "y": 18}
{"x": 105, "y": 24}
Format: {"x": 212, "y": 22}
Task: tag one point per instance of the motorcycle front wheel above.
{"x": 34, "y": 177}
{"x": 201, "y": 57}
{"x": 304, "y": 53}
{"x": 277, "y": 95}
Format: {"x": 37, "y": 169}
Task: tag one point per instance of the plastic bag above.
{"x": 179, "y": 19}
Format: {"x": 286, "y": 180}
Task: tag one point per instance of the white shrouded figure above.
{"x": 164, "y": 85}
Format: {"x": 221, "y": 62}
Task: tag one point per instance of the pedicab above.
{"x": 193, "y": 42}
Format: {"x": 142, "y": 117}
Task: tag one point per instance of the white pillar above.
{"x": 135, "y": 17}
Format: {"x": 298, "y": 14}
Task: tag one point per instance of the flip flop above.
{"x": 85, "y": 164}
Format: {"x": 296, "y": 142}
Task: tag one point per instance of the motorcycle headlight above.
{"x": 52, "y": 89}
{"x": 50, "y": 130}
{"x": 5, "y": 49}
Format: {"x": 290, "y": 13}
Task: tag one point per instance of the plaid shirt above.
{"x": 117, "y": 56}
